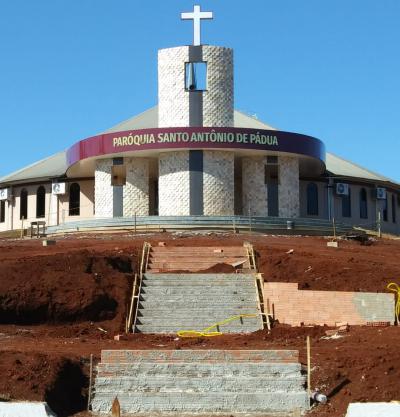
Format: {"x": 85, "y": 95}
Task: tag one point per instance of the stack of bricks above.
{"x": 297, "y": 307}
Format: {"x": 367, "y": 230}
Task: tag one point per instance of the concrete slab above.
{"x": 373, "y": 410}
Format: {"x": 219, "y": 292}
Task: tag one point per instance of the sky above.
{"x": 70, "y": 69}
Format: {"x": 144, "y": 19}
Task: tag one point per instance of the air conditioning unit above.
{"x": 5, "y": 194}
{"x": 58, "y": 188}
{"x": 342, "y": 189}
{"x": 381, "y": 193}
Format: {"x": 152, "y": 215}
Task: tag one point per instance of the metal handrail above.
{"x": 143, "y": 268}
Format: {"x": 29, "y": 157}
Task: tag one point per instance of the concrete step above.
{"x": 201, "y": 283}
{"x": 197, "y": 321}
{"x": 200, "y": 370}
{"x": 209, "y": 279}
{"x": 198, "y": 304}
{"x": 198, "y": 249}
{"x": 194, "y": 292}
{"x": 202, "y": 402}
{"x": 204, "y": 299}
{"x": 169, "y": 275}
{"x": 145, "y": 383}
{"x": 174, "y": 330}
{"x": 179, "y": 312}
{"x": 205, "y": 356}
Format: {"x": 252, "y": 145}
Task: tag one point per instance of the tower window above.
{"x": 195, "y": 76}
{"x": 118, "y": 175}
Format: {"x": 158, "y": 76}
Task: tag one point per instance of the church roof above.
{"x": 149, "y": 119}
{"x": 56, "y": 165}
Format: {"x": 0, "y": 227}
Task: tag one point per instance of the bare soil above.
{"x": 59, "y": 304}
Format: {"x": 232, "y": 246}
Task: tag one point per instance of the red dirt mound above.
{"x": 58, "y": 380}
{"x": 59, "y": 288}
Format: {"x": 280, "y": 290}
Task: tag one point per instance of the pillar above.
{"x": 136, "y": 189}
{"x": 254, "y": 189}
{"x": 289, "y": 186}
{"x": 103, "y": 191}
{"x": 173, "y": 184}
{"x": 218, "y": 183}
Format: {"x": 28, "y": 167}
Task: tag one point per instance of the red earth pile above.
{"x": 59, "y": 304}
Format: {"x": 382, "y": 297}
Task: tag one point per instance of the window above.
{"x": 195, "y": 76}
{"x": 363, "y": 204}
{"x": 312, "y": 199}
{"x": 2, "y": 211}
{"x": 394, "y": 209}
{"x": 40, "y": 202}
{"x": 74, "y": 199}
{"x": 23, "y": 204}
{"x": 346, "y": 205}
{"x": 385, "y": 209}
{"x": 118, "y": 175}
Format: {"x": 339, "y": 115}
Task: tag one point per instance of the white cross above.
{"x": 196, "y": 16}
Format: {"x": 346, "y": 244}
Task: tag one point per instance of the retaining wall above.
{"x": 297, "y": 307}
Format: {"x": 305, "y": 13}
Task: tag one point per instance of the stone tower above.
{"x": 197, "y": 181}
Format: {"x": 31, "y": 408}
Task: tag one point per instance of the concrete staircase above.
{"x": 172, "y": 302}
{"x": 195, "y": 259}
{"x": 200, "y": 381}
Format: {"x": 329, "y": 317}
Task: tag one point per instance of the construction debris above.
{"x": 48, "y": 242}
{"x": 334, "y": 244}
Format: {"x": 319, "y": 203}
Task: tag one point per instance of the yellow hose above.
{"x": 396, "y": 288}
{"x": 206, "y": 332}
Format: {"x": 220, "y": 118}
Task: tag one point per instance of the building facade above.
{"x": 194, "y": 155}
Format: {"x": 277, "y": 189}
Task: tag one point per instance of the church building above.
{"x": 195, "y": 158}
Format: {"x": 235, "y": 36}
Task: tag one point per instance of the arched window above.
{"x": 346, "y": 205}
{"x": 2, "y": 211}
{"x": 363, "y": 204}
{"x": 312, "y": 199}
{"x": 394, "y": 214}
{"x": 23, "y": 204}
{"x": 40, "y": 202}
{"x": 74, "y": 199}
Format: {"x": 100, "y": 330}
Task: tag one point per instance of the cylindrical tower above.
{"x": 195, "y": 89}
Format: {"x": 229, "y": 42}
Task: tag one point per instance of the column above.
{"x": 289, "y": 186}
{"x": 103, "y": 190}
{"x": 173, "y": 184}
{"x": 218, "y": 183}
{"x": 254, "y": 189}
{"x": 136, "y": 189}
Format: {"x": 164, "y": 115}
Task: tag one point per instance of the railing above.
{"x": 259, "y": 283}
{"x": 143, "y": 224}
{"x": 131, "y": 320}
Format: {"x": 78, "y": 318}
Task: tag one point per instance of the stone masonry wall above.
{"x": 218, "y": 100}
{"x": 173, "y": 100}
{"x": 295, "y": 307}
{"x": 218, "y": 183}
{"x": 136, "y": 190}
{"x": 253, "y": 187}
{"x": 289, "y": 187}
{"x": 103, "y": 194}
{"x": 173, "y": 170}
